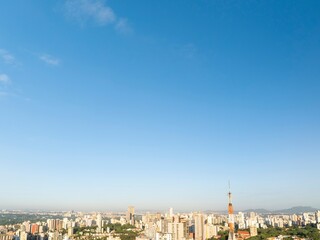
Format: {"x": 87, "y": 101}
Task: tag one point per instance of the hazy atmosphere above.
{"x": 158, "y": 104}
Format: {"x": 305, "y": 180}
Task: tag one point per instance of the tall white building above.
{"x": 178, "y": 230}
{"x": 27, "y": 226}
{"x": 65, "y": 222}
{"x": 171, "y": 212}
{"x": 210, "y": 231}
{"x": 318, "y": 216}
{"x": 199, "y": 226}
{"x": 241, "y": 221}
{"x": 23, "y": 235}
{"x": 99, "y": 223}
{"x": 253, "y": 231}
{"x": 70, "y": 231}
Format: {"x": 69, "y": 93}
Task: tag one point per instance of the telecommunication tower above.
{"x": 232, "y": 235}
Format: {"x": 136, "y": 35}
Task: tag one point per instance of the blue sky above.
{"x": 157, "y": 104}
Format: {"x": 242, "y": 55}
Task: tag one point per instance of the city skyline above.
{"x": 170, "y": 225}
{"x": 157, "y": 104}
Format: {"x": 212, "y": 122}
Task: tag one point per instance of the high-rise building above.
{"x": 23, "y": 227}
{"x": 51, "y": 224}
{"x": 178, "y": 230}
{"x": 252, "y": 219}
{"x": 253, "y": 231}
{"x": 210, "y": 230}
{"x": 171, "y": 212}
{"x": 199, "y": 226}
{"x": 305, "y": 217}
{"x": 70, "y": 231}
{"x": 99, "y": 222}
{"x": 130, "y": 215}
{"x": 65, "y": 222}
{"x": 23, "y": 235}
{"x": 34, "y": 228}
{"x": 241, "y": 220}
{"x": 317, "y": 216}
{"x": 59, "y": 224}
{"x": 27, "y": 226}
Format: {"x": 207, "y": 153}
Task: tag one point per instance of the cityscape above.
{"x": 130, "y": 225}
{"x": 160, "y": 119}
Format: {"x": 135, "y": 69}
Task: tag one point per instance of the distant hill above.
{"x": 293, "y": 210}
{"x": 299, "y": 209}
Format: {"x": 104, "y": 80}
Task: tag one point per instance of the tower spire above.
{"x": 229, "y": 194}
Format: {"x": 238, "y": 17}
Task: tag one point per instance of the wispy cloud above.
{"x": 6, "y": 56}
{"x": 48, "y": 59}
{"x": 96, "y": 11}
{"x": 122, "y": 26}
{"x": 4, "y": 78}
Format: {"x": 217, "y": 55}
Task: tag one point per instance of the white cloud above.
{"x": 4, "y": 79}
{"x": 122, "y": 26}
{"x": 49, "y": 59}
{"x": 84, "y": 10}
{"x": 6, "y": 56}
{"x": 98, "y": 12}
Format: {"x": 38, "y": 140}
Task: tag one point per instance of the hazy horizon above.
{"x": 140, "y": 210}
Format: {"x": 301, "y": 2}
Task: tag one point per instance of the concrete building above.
{"x": 317, "y": 216}
{"x": 253, "y": 231}
{"x": 99, "y": 223}
{"x": 70, "y": 231}
{"x": 199, "y": 226}
{"x": 130, "y": 215}
{"x": 34, "y": 228}
{"x": 178, "y": 230}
